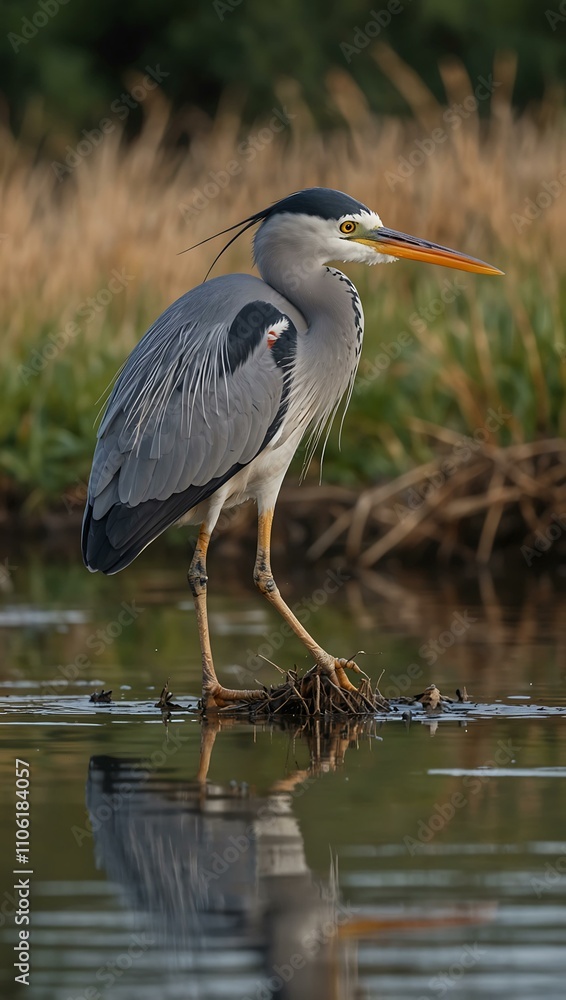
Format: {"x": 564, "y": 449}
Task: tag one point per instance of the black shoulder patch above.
{"x": 285, "y": 347}
{"x": 247, "y": 329}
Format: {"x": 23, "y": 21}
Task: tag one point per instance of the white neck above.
{"x": 297, "y": 269}
{"x": 329, "y": 353}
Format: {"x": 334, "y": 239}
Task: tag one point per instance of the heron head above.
{"x": 319, "y": 225}
{"x": 329, "y": 225}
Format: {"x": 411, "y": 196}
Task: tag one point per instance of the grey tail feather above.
{"x": 113, "y": 542}
{"x": 98, "y": 551}
{"x": 133, "y": 528}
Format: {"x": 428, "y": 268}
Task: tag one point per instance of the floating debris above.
{"x": 315, "y": 695}
{"x": 166, "y": 703}
{"x": 101, "y": 697}
{"x": 432, "y": 699}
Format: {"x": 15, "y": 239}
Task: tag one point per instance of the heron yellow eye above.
{"x": 347, "y": 227}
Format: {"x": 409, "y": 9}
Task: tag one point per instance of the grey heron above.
{"x": 212, "y": 403}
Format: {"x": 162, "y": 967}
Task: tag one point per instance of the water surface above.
{"x": 390, "y": 859}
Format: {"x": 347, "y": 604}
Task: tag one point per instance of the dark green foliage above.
{"x": 70, "y": 69}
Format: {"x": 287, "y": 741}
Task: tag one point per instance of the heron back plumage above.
{"x": 201, "y": 395}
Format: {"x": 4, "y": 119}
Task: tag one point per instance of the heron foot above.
{"x": 341, "y": 666}
{"x": 215, "y": 697}
{"x": 336, "y": 668}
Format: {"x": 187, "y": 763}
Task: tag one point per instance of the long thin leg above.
{"x": 263, "y": 578}
{"x": 214, "y": 696}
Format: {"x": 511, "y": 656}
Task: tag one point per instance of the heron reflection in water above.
{"x": 222, "y": 878}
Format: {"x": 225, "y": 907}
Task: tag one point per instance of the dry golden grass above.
{"x": 124, "y": 207}
{"x": 120, "y": 207}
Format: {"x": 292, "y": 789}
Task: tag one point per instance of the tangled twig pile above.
{"x": 313, "y": 695}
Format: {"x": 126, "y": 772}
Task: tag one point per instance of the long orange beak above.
{"x": 395, "y": 244}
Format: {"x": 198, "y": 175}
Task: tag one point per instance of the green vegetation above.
{"x": 495, "y": 349}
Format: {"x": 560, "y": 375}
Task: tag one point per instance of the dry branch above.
{"x": 314, "y": 695}
{"x": 523, "y": 483}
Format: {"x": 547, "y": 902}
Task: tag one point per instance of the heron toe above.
{"x": 215, "y": 697}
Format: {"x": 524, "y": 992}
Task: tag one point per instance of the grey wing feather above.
{"x": 197, "y": 399}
